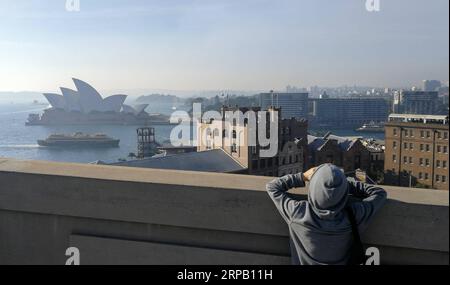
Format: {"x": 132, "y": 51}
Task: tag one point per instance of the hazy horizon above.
{"x": 197, "y": 46}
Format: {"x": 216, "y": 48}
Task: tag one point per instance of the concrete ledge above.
{"x": 48, "y": 203}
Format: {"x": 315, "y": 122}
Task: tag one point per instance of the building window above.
{"x": 422, "y": 134}
{"x": 445, "y": 136}
{"x": 444, "y": 179}
{"x": 427, "y": 162}
{"x": 420, "y": 175}
{"x": 405, "y": 145}
{"x": 427, "y": 147}
{"x": 330, "y": 158}
{"x": 411, "y": 146}
{"x": 411, "y": 133}
{"x": 421, "y": 147}
{"x": 394, "y": 158}
{"x": 426, "y": 176}
{"x": 444, "y": 164}
{"x": 444, "y": 149}
{"x": 262, "y": 163}
{"x": 438, "y": 148}
{"x": 438, "y": 163}
{"x": 394, "y": 144}
{"x": 421, "y": 162}
{"x": 406, "y": 133}
{"x": 428, "y": 134}
{"x": 437, "y": 178}
{"x": 394, "y": 131}
{"x": 405, "y": 159}
{"x": 410, "y": 160}
{"x": 234, "y": 148}
{"x": 438, "y": 135}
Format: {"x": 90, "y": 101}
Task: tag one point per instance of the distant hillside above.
{"x": 21, "y": 97}
{"x": 158, "y": 99}
{"x": 160, "y": 103}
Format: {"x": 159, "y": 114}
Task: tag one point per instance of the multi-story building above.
{"x": 431, "y": 85}
{"x": 416, "y": 102}
{"x": 290, "y": 151}
{"x": 293, "y": 105}
{"x": 348, "y": 153}
{"x": 416, "y": 151}
{"x": 347, "y": 112}
{"x": 376, "y": 149}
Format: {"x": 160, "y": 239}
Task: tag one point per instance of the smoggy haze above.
{"x": 240, "y": 45}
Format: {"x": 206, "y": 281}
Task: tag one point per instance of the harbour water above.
{"x": 19, "y": 141}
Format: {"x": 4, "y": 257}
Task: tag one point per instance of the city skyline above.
{"x": 216, "y": 45}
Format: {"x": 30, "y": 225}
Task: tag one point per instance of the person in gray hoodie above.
{"x": 320, "y": 230}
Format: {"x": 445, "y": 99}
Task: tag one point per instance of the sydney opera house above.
{"x": 85, "y": 105}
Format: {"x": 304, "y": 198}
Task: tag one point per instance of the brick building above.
{"x": 291, "y": 149}
{"x": 348, "y": 153}
{"x": 416, "y": 151}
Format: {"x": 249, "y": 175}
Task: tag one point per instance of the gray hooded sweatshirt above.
{"x": 320, "y": 231}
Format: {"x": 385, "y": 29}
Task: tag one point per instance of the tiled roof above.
{"x": 215, "y": 160}
{"x": 316, "y": 143}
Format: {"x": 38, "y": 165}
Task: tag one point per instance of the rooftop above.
{"x": 215, "y": 160}
{"x": 317, "y": 143}
{"x": 424, "y": 119}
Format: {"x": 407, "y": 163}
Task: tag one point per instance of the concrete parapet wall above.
{"x": 119, "y": 215}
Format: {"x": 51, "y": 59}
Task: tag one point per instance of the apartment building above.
{"x": 416, "y": 102}
{"x": 416, "y": 151}
{"x": 290, "y": 151}
{"x": 293, "y": 105}
{"x": 347, "y": 112}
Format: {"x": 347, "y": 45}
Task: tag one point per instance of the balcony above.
{"x": 120, "y": 215}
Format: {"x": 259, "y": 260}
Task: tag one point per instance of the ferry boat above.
{"x": 79, "y": 139}
{"x": 371, "y": 127}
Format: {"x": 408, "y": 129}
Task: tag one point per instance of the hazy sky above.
{"x": 209, "y": 44}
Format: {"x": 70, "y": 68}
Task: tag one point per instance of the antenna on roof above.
{"x": 271, "y": 95}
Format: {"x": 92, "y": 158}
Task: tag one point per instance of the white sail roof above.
{"x": 90, "y": 99}
{"x": 140, "y": 108}
{"x": 56, "y": 101}
{"x": 86, "y": 99}
{"x": 113, "y": 103}
{"x": 134, "y": 109}
{"x": 72, "y": 99}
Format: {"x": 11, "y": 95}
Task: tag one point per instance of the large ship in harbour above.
{"x": 85, "y": 106}
{"x": 79, "y": 140}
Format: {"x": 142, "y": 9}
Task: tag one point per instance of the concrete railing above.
{"x": 119, "y": 215}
